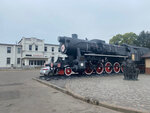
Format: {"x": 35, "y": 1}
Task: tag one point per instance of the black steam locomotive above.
{"x": 94, "y": 56}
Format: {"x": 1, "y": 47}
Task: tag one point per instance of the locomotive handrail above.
{"x": 91, "y": 54}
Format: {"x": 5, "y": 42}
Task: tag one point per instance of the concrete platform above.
{"x": 114, "y": 91}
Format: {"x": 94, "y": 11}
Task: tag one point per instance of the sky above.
{"x": 91, "y": 19}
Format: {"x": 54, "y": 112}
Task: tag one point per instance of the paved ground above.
{"x": 61, "y": 81}
{"x": 20, "y": 94}
{"x": 114, "y": 90}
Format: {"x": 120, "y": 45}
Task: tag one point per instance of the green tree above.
{"x": 143, "y": 39}
{"x": 116, "y": 39}
{"x": 128, "y": 38}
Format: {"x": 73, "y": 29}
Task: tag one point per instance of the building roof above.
{"x": 20, "y": 40}
{"x": 30, "y": 38}
{"x": 51, "y": 44}
{"x": 9, "y": 44}
{"x": 147, "y": 55}
{"x": 38, "y": 39}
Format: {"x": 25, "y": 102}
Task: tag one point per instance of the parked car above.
{"x": 45, "y": 70}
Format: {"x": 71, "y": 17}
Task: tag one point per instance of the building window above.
{"x": 58, "y": 49}
{"x": 19, "y": 50}
{"x": 8, "y": 49}
{"x": 36, "y": 48}
{"x": 52, "y": 59}
{"x": 36, "y": 62}
{"x": 30, "y": 47}
{"x": 18, "y": 60}
{"x": 8, "y": 60}
{"x": 52, "y": 49}
{"x": 45, "y": 48}
{"x": 30, "y": 62}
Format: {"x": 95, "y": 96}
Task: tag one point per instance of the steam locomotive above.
{"x": 94, "y": 56}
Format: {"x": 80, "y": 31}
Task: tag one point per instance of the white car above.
{"x": 45, "y": 70}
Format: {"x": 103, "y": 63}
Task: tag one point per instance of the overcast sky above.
{"x": 94, "y": 19}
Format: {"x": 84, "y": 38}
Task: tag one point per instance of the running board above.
{"x": 105, "y": 55}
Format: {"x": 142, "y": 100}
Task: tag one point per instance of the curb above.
{"x": 89, "y": 100}
{"x": 5, "y": 70}
{"x": 50, "y": 85}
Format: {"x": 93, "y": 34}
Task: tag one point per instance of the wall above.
{"x": 147, "y": 65}
{"x": 13, "y": 56}
{"x": 32, "y": 41}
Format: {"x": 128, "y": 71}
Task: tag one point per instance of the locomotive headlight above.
{"x": 81, "y": 64}
{"x": 63, "y": 48}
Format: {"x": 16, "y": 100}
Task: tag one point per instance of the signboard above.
{"x": 37, "y": 55}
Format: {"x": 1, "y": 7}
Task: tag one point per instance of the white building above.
{"x": 10, "y": 55}
{"x": 31, "y": 52}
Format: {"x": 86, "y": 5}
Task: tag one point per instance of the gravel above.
{"x": 114, "y": 90}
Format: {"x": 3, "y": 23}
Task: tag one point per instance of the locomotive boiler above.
{"x": 94, "y": 56}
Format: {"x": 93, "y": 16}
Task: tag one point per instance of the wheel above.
{"x": 108, "y": 67}
{"x": 60, "y": 72}
{"x": 116, "y": 67}
{"x": 88, "y": 70}
{"x": 68, "y": 71}
{"x": 122, "y": 68}
{"x": 99, "y": 68}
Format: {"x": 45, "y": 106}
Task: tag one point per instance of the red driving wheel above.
{"x": 116, "y": 67}
{"x": 122, "y": 67}
{"x": 68, "y": 71}
{"x": 88, "y": 71}
{"x": 99, "y": 69}
{"x": 108, "y": 67}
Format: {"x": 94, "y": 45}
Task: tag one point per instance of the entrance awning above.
{"x": 35, "y": 58}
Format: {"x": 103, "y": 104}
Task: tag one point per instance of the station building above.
{"x": 147, "y": 63}
{"x": 29, "y": 52}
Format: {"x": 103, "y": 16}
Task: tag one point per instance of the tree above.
{"x": 116, "y": 39}
{"x": 128, "y": 38}
{"x": 143, "y": 40}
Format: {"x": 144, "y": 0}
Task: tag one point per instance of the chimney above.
{"x": 74, "y": 36}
